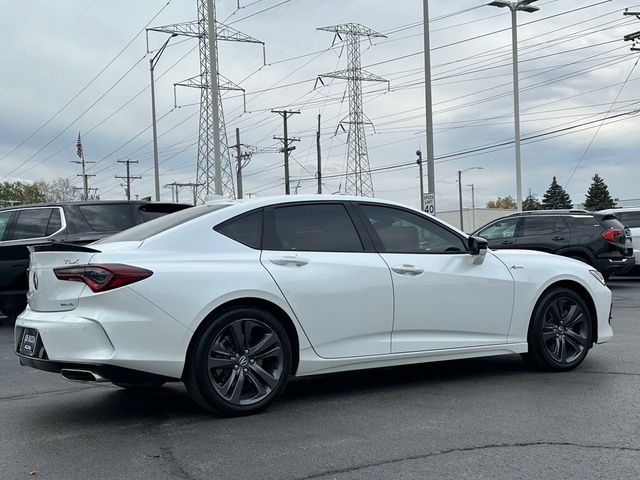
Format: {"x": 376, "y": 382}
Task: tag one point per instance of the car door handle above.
{"x": 289, "y": 260}
{"x": 507, "y": 242}
{"x": 557, "y": 238}
{"x": 407, "y": 270}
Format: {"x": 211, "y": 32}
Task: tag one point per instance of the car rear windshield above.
{"x": 609, "y": 221}
{"x": 108, "y": 218}
{"x": 159, "y": 225}
{"x": 152, "y": 211}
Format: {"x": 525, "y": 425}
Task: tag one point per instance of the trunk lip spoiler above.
{"x": 61, "y": 247}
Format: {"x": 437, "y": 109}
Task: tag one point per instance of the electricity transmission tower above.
{"x": 215, "y": 169}
{"x": 358, "y": 175}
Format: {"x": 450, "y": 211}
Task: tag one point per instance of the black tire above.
{"x": 240, "y": 363}
{"x": 560, "y": 331}
{"x": 139, "y": 386}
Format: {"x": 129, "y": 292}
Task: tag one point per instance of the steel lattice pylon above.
{"x": 205, "y": 170}
{"x": 358, "y": 174}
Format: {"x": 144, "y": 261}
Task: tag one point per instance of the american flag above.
{"x": 79, "y": 146}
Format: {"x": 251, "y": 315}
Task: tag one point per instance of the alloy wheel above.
{"x": 245, "y": 362}
{"x": 564, "y": 330}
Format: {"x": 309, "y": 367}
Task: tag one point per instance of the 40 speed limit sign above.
{"x": 430, "y": 203}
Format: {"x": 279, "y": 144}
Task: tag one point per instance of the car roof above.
{"x": 552, "y": 212}
{"x": 620, "y": 210}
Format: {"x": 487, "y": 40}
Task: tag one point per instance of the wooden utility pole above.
{"x": 239, "y": 160}
{"x": 286, "y": 145}
{"x": 128, "y": 178}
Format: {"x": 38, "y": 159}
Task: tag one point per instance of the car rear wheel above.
{"x": 560, "y": 333}
{"x": 240, "y": 363}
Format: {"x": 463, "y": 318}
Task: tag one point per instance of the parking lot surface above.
{"x": 486, "y": 418}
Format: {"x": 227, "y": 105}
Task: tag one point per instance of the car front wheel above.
{"x": 560, "y": 333}
{"x": 240, "y": 363}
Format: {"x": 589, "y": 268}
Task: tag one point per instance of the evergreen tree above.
{"x": 531, "y": 203}
{"x": 598, "y": 197}
{"x": 556, "y": 197}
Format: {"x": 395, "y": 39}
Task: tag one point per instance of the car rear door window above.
{"x": 541, "y": 225}
{"x": 108, "y": 218}
{"x": 55, "y": 222}
{"x": 401, "y": 231}
{"x": 246, "y": 229}
{"x": 312, "y": 228}
{"x": 31, "y": 223}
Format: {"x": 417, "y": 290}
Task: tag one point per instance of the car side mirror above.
{"x": 478, "y": 247}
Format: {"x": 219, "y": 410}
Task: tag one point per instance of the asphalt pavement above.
{"x": 488, "y": 418}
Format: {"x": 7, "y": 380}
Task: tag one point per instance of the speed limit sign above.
{"x": 430, "y": 203}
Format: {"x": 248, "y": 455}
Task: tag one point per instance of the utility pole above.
{"x": 85, "y": 176}
{"x": 460, "y": 197}
{"x": 431, "y": 176}
{"x": 633, "y": 37}
{"x": 128, "y": 178}
{"x": 239, "y": 160}
{"x": 175, "y": 186}
{"x": 419, "y": 162}
{"x": 286, "y": 148}
{"x": 318, "y": 153}
{"x": 358, "y": 176}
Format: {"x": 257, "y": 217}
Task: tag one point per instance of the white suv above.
{"x": 630, "y": 216}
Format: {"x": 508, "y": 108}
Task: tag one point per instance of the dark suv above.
{"x": 597, "y": 239}
{"x": 78, "y": 223}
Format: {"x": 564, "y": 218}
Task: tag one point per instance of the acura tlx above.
{"x": 235, "y": 298}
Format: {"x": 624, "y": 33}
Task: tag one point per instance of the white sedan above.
{"x": 234, "y": 298}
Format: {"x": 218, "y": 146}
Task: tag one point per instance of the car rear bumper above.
{"x": 118, "y": 328}
{"x": 100, "y": 372}
{"x": 614, "y": 265}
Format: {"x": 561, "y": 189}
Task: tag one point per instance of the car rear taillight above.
{"x": 611, "y": 234}
{"x": 104, "y": 276}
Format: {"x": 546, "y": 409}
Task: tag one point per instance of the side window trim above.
{"x": 377, "y": 242}
{"x": 13, "y": 222}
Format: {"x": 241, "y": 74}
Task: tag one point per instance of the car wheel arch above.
{"x": 250, "y": 302}
{"x": 584, "y": 294}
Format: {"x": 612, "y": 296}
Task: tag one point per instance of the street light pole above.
{"x": 515, "y": 7}
{"x": 152, "y": 65}
{"x": 460, "y": 172}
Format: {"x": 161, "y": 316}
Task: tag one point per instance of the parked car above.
{"x": 597, "y": 239}
{"x": 75, "y": 223}
{"x": 630, "y": 217}
{"x": 234, "y": 298}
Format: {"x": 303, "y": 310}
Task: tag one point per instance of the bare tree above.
{"x": 58, "y": 190}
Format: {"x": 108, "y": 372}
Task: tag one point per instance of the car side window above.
{"x": 108, "y": 218}
{"x": 630, "y": 219}
{"x": 505, "y": 228}
{"x": 55, "y": 222}
{"x": 401, "y": 231}
{"x": 542, "y": 225}
{"x": 313, "y": 228}
{"x": 246, "y": 229}
{"x": 31, "y": 223}
{"x": 4, "y": 221}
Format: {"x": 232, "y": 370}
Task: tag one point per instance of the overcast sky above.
{"x": 574, "y": 65}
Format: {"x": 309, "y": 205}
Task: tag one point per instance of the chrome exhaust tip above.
{"x": 81, "y": 375}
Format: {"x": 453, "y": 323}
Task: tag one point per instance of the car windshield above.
{"x": 159, "y": 225}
